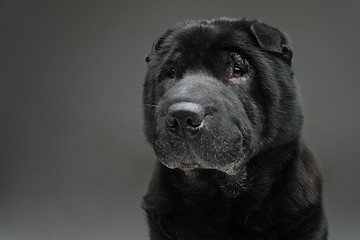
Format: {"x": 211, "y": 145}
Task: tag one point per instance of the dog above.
{"x": 224, "y": 117}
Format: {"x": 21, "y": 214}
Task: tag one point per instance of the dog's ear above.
{"x": 271, "y": 40}
{"x": 158, "y": 44}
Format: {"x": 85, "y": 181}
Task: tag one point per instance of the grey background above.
{"x": 73, "y": 160}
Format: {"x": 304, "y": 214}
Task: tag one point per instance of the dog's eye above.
{"x": 171, "y": 73}
{"x": 239, "y": 71}
{"x": 239, "y": 66}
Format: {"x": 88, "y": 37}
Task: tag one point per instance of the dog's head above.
{"x": 219, "y": 92}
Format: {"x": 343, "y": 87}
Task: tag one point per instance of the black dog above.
{"x": 223, "y": 115}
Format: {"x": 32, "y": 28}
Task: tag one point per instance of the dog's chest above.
{"x": 219, "y": 223}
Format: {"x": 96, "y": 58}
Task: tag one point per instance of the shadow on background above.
{"x": 73, "y": 160}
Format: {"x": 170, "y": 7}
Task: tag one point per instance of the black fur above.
{"x": 223, "y": 114}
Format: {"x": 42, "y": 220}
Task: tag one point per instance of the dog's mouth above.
{"x": 191, "y": 161}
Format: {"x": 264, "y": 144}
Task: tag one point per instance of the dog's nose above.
{"x": 185, "y": 119}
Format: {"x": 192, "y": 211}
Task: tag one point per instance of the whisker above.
{"x": 151, "y": 105}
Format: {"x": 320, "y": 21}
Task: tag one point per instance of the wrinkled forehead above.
{"x": 205, "y": 36}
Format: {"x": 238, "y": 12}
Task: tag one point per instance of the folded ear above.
{"x": 158, "y": 44}
{"x": 271, "y": 40}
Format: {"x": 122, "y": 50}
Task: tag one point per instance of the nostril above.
{"x": 193, "y": 122}
{"x": 189, "y": 122}
{"x": 172, "y": 122}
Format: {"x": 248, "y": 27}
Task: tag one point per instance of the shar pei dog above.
{"x": 224, "y": 117}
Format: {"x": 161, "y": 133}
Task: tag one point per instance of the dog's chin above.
{"x": 191, "y": 163}
{"x": 188, "y": 163}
